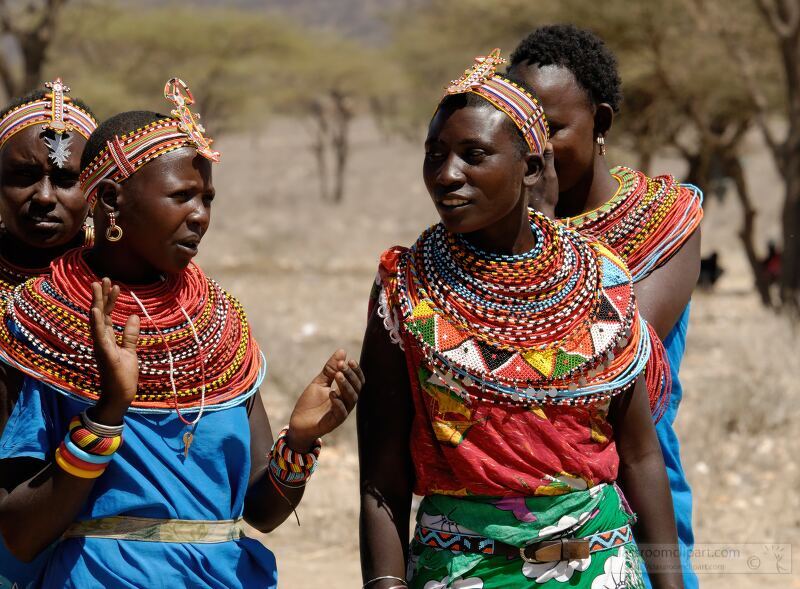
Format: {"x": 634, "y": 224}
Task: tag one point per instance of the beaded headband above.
{"x": 123, "y": 156}
{"x": 505, "y": 95}
{"x": 58, "y": 113}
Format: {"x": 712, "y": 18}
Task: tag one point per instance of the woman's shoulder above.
{"x": 390, "y": 260}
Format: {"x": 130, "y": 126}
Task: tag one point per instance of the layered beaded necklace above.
{"x": 646, "y": 221}
{"x": 195, "y": 348}
{"x": 557, "y": 324}
{"x": 12, "y": 275}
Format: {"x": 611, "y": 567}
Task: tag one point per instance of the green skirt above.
{"x": 597, "y": 514}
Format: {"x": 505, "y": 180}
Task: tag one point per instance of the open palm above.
{"x": 117, "y": 364}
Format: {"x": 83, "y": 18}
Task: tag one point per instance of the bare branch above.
{"x": 7, "y": 78}
{"x": 6, "y": 23}
{"x": 769, "y": 9}
{"x": 791, "y": 9}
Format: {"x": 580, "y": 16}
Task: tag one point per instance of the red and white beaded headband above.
{"x": 58, "y": 113}
{"x": 505, "y": 95}
{"x": 123, "y": 156}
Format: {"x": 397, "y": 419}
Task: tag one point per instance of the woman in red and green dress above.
{"x": 505, "y": 360}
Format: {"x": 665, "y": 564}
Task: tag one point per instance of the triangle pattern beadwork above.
{"x": 447, "y": 336}
{"x": 544, "y": 361}
{"x": 613, "y": 275}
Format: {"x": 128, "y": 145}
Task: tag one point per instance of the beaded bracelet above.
{"x": 100, "y": 429}
{"x": 289, "y": 467}
{"x": 384, "y": 578}
{"x": 88, "y": 440}
{"x": 84, "y": 453}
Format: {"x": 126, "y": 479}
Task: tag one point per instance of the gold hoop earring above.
{"x": 601, "y": 141}
{"x": 88, "y": 234}
{"x": 114, "y": 231}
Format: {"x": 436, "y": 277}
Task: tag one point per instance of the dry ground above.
{"x": 303, "y": 269}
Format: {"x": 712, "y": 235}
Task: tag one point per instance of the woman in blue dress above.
{"x": 139, "y": 442}
{"x": 653, "y": 223}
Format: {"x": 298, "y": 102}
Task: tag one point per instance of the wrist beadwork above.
{"x": 84, "y": 453}
{"x": 290, "y": 467}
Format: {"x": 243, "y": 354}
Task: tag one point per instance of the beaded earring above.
{"x": 601, "y": 141}
{"x": 114, "y": 231}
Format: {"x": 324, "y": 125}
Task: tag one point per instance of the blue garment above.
{"x": 675, "y": 344}
{"x": 149, "y": 477}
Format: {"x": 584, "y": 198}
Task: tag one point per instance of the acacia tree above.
{"x": 326, "y": 82}
{"x": 781, "y": 19}
{"x": 30, "y": 28}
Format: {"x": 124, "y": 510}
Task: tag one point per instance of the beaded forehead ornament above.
{"x": 505, "y": 95}
{"x": 59, "y": 115}
{"x": 123, "y": 156}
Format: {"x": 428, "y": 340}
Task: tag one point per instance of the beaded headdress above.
{"x": 57, "y": 113}
{"x": 505, "y": 95}
{"x": 123, "y": 156}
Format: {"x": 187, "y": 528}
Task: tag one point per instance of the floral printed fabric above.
{"x": 519, "y": 522}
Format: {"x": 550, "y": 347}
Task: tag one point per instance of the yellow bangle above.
{"x": 75, "y": 471}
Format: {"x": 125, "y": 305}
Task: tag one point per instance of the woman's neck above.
{"x": 120, "y": 266}
{"x": 595, "y": 189}
{"x": 510, "y": 235}
{"x": 23, "y": 255}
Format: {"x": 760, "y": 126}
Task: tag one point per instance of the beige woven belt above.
{"x": 147, "y": 529}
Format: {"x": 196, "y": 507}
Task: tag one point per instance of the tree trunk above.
{"x": 340, "y": 142}
{"x": 790, "y": 260}
{"x": 790, "y": 263}
{"x": 733, "y": 169}
{"x": 321, "y": 129}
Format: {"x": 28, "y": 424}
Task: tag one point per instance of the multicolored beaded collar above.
{"x": 11, "y": 275}
{"x": 646, "y": 221}
{"x": 557, "y": 325}
{"x": 505, "y": 95}
{"x": 123, "y": 156}
{"x": 59, "y": 115}
{"x": 46, "y": 334}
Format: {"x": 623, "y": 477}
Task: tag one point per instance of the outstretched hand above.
{"x": 545, "y": 195}
{"x": 326, "y": 402}
{"x": 117, "y": 364}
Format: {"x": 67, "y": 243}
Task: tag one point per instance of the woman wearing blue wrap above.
{"x": 139, "y": 442}
{"x": 653, "y": 223}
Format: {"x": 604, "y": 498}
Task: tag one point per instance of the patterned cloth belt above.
{"x": 548, "y": 550}
{"x": 145, "y": 529}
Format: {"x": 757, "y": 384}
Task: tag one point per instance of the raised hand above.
{"x": 323, "y": 407}
{"x": 118, "y": 364}
{"x": 545, "y": 195}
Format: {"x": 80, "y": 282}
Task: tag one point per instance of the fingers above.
{"x": 347, "y": 389}
{"x": 96, "y": 315}
{"x": 130, "y": 333}
{"x": 356, "y": 368}
{"x": 328, "y": 373}
{"x": 111, "y": 299}
{"x": 104, "y": 298}
{"x": 338, "y": 407}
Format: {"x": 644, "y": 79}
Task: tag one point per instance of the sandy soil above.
{"x": 303, "y": 269}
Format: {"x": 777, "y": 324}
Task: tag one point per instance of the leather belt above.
{"x": 543, "y": 551}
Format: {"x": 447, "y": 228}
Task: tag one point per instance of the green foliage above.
{"x": 669, "y": 59}
{"x": 438, "y": 40}
{"x": 241, "y": 66}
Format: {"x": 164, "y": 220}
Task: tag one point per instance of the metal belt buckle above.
{"x": 534, "y": 547}
{"x": 524, "y": 556}
{"x": 555, "y": 550}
